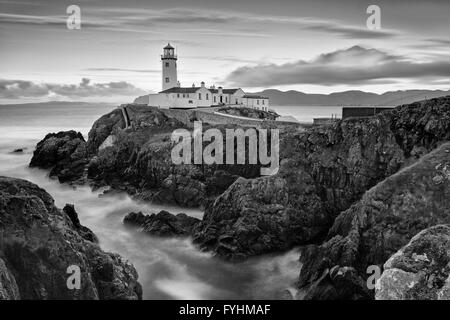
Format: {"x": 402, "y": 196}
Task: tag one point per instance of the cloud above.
{"x": 125, "y": 70}
{"x": 348, "y": 32}
{"x": 445, "y": 42}
{"x": 355, "y": 65}
{"x": 221, "y": 58}
{"x": 55, "y": 20}
{"x": 142, "y": 20}
{"x": 17, "y": 89}
{"x": 190, "y": 16}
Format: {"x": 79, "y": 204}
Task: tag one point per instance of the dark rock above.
{"x": 83, "y": 231}
{"x": 105, "y": 126}
{"x": 420, "y": 270}
{"x": 20, "y": 150}
{"x": 182, "y": 190}
{"x": 69, "y": 209}
{"x": 136, "y": 160}
{"x": 383, "y": 221}
{"x": 56, "y": 147}
{"x": 8, "y": 285}
{"x": 64, "y": 153}
{"x": 339, "y": 283}
{"x": 163, "y": 224}
{"x": 39, "y": 243}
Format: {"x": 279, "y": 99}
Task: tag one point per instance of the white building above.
{"x": 175, "y": 96}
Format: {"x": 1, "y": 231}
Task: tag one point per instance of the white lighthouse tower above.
{"x": 169, "y": 68}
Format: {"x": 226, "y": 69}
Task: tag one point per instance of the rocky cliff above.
{"x": 375, "y": 227}
{"x": 350, "y": 193}
{"x": 323, "y": 171}
{"x": 136, "y": 159}
{"x": 39, "y": 243}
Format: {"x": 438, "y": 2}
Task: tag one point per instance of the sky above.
{"x": 313, "y": 46}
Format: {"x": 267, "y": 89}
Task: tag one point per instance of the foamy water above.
{"x": 169, "y": 268}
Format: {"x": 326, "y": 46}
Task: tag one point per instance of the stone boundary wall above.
{"x": 214, "y": 118}
{"x": 189, "y": 116}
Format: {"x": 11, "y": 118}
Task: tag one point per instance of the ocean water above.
{"x": 307, "y": 113}
{"x": 168, "y": 268}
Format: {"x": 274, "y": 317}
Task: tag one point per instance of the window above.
{"x": 199, "y": 96}
{"x": 184, "y": 95}
{"x": 167, "y": 80}
{"x": 178, "y": 95}
{"x": 190, "y": 101}
{"x": 257, "y": 101}
{"x": 207, "y": 96}
{"x": 263, "y": 101}
{"x": 214, "y": 98}
{"x": 226, "y": 99}
{"x": 167, "y": 64}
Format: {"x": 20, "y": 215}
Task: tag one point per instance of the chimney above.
{"x": 220, "y": 90}
{"x": 178, "y": 84}
{"x": 193, "y": 85}
{"x": 202, "y": 84}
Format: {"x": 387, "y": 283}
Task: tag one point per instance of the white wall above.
{"x": 170, "y": 72}
{"x": 261, "y": 104}
{"x": 161, "y": 100}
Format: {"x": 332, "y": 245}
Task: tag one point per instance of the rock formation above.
{"x": 63, "y": 153}
{"x": 163, "y": 224}
{"x": 323, "y": 171}
{"x": 375, "y": 227}
{"x": 420, "y": 270}
{"x": 351, "y": 193}
{"x": 39, "y": 242}
{"x": 136, "y": 160}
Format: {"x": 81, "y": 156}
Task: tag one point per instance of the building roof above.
{"x": 194, "y": 89}
{"x": 254, "y": 96}
{"x": 169, "y": 46}
{"x": 181, "y": 90}
{"x": 226, "y": 91}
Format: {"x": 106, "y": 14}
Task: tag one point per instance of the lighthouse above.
{"x": 169, "y": 68}
{"x": 174, "y": 96}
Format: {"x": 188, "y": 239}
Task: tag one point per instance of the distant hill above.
{"x": 349, "y": 98}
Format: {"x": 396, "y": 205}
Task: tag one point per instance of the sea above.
{"x": 169, "y": 268}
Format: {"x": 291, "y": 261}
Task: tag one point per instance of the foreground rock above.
{"x": 420, "y": 270}
{"x": 39, "y": 244}
{"x": 163, "y": 224}
{"x": 323, "y": 171}
{"x": 378, "y": 225}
